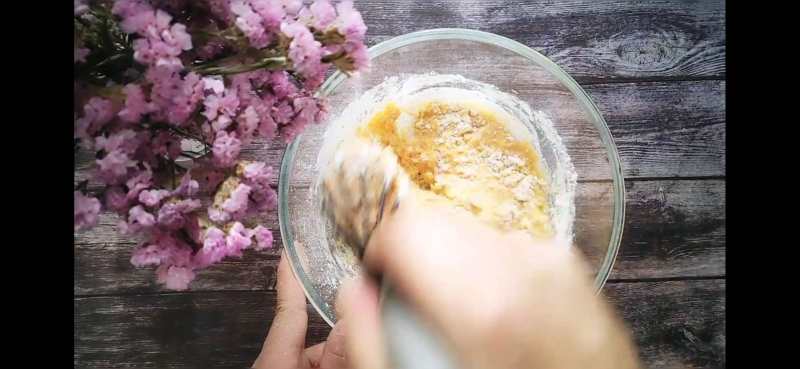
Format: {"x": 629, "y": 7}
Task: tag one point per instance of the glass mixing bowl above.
{"x": 510, "y": 66}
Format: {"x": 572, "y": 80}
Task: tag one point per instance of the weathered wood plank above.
{"x": 592, "y": 40}
{"x": 666, "y": 129}
{"x": 209, "y": 330}
{"x": 673, "y": 228}
{"x": 676, "y": 324}
{"x": 662, "y": 129}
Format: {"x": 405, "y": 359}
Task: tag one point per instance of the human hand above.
{"x": 284, "y": 347}
{"x": 500, "y": 300}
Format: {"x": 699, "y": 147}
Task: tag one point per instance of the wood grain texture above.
{"x": 593, "y": 40}
{"x": 673, "y": 228}
{"x": 666, "y": 129}
{"x": 655, "y": 69}
{"x": 679, "y": 324}
{"x": 661, "y": 129}
{"x": 674, "y": 323}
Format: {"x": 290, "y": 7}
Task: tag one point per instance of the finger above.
{"x": 421, "y": 243}
{"x": 334, "y": 352}
{"x": 418, "y": 245}
{"x": 358, "y": 304}
{"x": 314, "y": 354}
{"x": 285, "y": 342}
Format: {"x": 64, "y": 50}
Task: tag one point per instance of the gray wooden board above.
{"x": 593, "y": 40}
{"x": 656, "y": 71}
{"x": 661, "y": 129}
{"x": 675, "y": 324}
{"x": 674, "y": 228}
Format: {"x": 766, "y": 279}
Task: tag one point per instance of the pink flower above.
{"x": 247, "y": 123}
{"x": 173, "y": 251}
{"x": 319, "y": 15}
{"x": 124, "y": 141}
{"x": 357, "y": 53}
{"x": 127, "y": 9}
{"x": 283, "y": 112}
{"x": 262, "y": 196}
{"x": 187, "y": 187}
{"x": 292, "y": 7}
{"x": 85, "y": 211}
{"x": 263, "y": 237}
{"x": 307, "y": 110}
{"x": 236, "y": 204}
{"x": 137, "y": 215}
{"x": 234, "y": 207}
{"x": 113, "y": 167}
{"x": 271, "y": 12}
{"x": 238, "y": 239}
{"x": 160, "y": 44}
{"x": 186, "y": 101}
{"x": 220, "y": 108}
{"x": 138, "y": 219}
{"x": 131, "y": 148}
{"x": 250, "y": 23}
{"x": 139, "y": 182}
{"x": 209, "y": 179}
{"x": 79, "y": 54}
{"x": 152, "y": 197}
{"x": 281, "y": 86}
{"x": 305, "y": 52}
{"x": 214, "y": 248}
{"x": 264, "y": 199}
{"x": 166, "y": 82}
{"x": 80, "y": 7}
{"x": 136, "y": 105}
{"x": 350, "y": 24}
{"x": 267, "y": 128}
{"x": 172, "y": 215}
{"x": 173, "y": 256}
{"x": 175, "y": 277}
{"x": 149, "y": 255}
{"x": 214, "y": 85}
{"x": 165, "y": 144}
{"x": 256, "y": 117}
{"x": 259, "y": 174}
{"x": 226, "y": 149}
{"x": 175, "y": 98}
{"x": 96, "y": 113}
{"x": 116, "y": 200}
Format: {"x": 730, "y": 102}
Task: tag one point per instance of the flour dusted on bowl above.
{"x": 469, "y": 144}
{"x": 464, "y": 154}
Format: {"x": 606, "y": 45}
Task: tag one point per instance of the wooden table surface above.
{"x": 656, "y": 70}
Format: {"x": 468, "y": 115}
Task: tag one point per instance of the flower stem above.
{"x": 271, "y": 63}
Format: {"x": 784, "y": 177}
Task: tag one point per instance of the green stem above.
{"x": 271, "y": 63}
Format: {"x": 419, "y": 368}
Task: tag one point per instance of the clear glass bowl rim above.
{"x": 338, "y": 77}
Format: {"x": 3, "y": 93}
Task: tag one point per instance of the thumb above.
{"x": 285, "y": 341}
{"x": 357, "y": 305}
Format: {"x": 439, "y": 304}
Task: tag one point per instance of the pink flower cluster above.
{"x": 262, "y": 20}
{"x": 86, "y": 211}
{"x": 139, "y": 128}
{"x": 352, "y": 26}
{"x": 161, "y": 42}
{"x": 246, "y": 194}
{"x": 177, "y": 258}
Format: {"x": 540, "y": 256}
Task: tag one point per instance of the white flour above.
{"x": 523, "y": 122}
